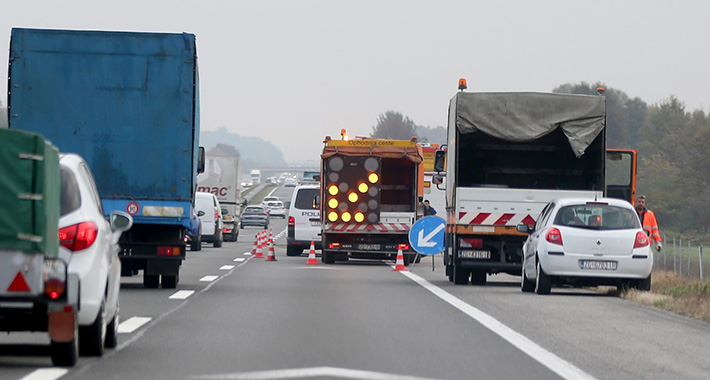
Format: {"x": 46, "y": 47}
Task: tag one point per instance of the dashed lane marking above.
{"x": 132, "y": 324}
{"x": 46, "y": 374}
{"x": 309, "y": 373}
{"x": 181, "y": 295}
{"x": 226, "y": 267}
{"x": 208, "y": 278}
{"x": 239, "y": 259}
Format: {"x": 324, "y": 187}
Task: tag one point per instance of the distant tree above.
{"x": 224, "y": 150}
{"x": 434, "y": 135}
{"x": 393, "y": 125}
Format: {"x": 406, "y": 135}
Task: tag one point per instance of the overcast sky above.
{"x": 292, "y": 72}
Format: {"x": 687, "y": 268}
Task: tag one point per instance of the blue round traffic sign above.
{"x": 427, "y": 235}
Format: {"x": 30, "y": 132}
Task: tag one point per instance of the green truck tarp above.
{"x": 29, "y": 193}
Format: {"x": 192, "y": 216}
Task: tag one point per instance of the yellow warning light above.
{"x": 333, "y": 203}
{"x": 332, "y": 216}
{"x": 359, "y": 217}
{"x": 352, "y": 197}
{"x": 344, "y": 134}
{"x": 362, "y": 187}
{"x": 333, "y": 190}
{"x": 346, "y": 216}
{"x": 373, "y": 177}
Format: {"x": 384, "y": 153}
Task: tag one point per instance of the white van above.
{"x": 303, "y": 220}
{"x": 210, "y": 213}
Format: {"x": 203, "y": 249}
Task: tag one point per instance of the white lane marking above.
{"x": 208, "y": 278}
{"x": 239, "y": 259}
{"x": 247, "y": 253}
{"x": 301, "y": 373}
{"x": 46, "y": 374}
{"x": 226, "y": 267}
{"x": 132, "y": 324}
{"x": 553, "y": 362}
{"x": 181, "y": 295}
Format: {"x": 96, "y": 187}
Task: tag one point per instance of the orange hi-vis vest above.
{"x": 650, "y": 225}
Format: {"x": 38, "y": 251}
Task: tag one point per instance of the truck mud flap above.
{"x": 169, "y": 267}
{"x": 62, "y": 325}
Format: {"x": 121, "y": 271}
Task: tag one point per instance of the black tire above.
{"x": 479, "y": 277}
{"x": 241, "y": 226}
{"x": 461, "y": 275}
{"x": 151, "y": 281}
{"x": 543, "y": 283}
{"x": 169, "y": 281}
{"x": 64, "y": 354}
{"x": 293, "y": 251}
{"x": 408, "y": 259}
{"x": 196, "y": 243}
{"x": 91, "y": 338}
{"x": 643, "y": 284}
{"x": 328, "y": 257}
{"x": 235, "y": 234}
{"x": 218, "y": 242}
{"x": 112, "y": 331}
{"x": 526, "y": 286}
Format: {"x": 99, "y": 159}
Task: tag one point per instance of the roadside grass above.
{"x": 247, "y": 191}
{"x": 258, "y": 197}
{"x": 672, "y": 292}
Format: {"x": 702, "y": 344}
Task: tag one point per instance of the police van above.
{"x": 304, "y": 225}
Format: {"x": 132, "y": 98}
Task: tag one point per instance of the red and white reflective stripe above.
{"x": 379, "y": 227}
{"x": 495, "y": 219}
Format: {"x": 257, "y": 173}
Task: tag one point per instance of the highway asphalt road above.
{"x": 249, "y": 319}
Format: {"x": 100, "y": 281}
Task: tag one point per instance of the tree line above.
{"x": 673, "y": 145}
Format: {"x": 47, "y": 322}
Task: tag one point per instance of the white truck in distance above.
{"x": 221, "y": 178}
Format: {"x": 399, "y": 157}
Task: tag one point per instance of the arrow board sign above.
{"x": 427, "y": 235}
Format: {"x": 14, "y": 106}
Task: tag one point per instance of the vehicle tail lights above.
{"x": 291, "y": 221}
{"x": 78, "y": 236}
{"x": 404, "y": 247}
{"x": 554, "y": 236}
{"x": 334, "y": 245}
{"x": 54, "y": 288}
{"x": 641, "y": 240}
{"x": 165, "y": 250}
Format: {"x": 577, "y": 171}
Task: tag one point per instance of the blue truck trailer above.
{"x": 129, "y": 104}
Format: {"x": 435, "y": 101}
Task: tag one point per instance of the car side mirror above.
{"x": 201, "y": 160}
{"x": 120, "y": 221}
{"x": 440, "y": 161}
{"x": 224, "y": 211}
{"x": 524, "y": 228}
{"x": 287, "y": 205}
{"x": 244, "y": 202}
{"x": 437, "y": 179}
{"x": 200, "y": 213}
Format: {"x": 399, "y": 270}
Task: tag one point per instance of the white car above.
{"x": 304, "y": 224}
{"x": 89, "y": 242}
{"x": 586, "y": 242}
{"x": 210, "y": 213}
{"x": 276, "y": 208}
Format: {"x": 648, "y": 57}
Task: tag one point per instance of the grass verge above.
{"x": 672, "y": 292}
{"x": 258, "y": 197}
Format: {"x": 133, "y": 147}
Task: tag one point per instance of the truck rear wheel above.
{"x": 329, "y": 257}
{"x": 478, "y": 277}
{"x": 293, "y": 251}
{"x": 169, "y": 281}
{"x": 461, "y": 275}
{"x": 151, "y": 281}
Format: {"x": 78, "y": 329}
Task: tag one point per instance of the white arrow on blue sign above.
{"x": 427, "y": 235}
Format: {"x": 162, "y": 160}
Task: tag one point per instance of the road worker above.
{"x": 648, "y": 221}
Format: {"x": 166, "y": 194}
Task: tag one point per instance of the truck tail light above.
{"x": 78, "y": 236}
{"x": 641, "y": 240}
{"x": 404, "y": 247}
{"x": 54, "y": 288}
{"x": 554, "y": 236}
{"x": 334, "y": 245}
{"x": 291, "y": 221}
{"x": 471, "y": 243}
{"x": 165, "y": 250}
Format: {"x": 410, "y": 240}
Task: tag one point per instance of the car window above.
{"x": 597, "y": 216}
{"x": 92, "y": 186}
{"x": 253, "y": 210}
{"x": 70, "y": 196}
{"x": 543, "y": 216}
{"x": 304, "y": 199}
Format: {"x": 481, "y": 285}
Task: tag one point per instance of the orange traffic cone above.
{"x": 260, "y": 247}
{"x": 312, "y": 256}
{"x": 271, "y": 256}
{"x": 399, "y": 265}
{"x": 253, "y": 247}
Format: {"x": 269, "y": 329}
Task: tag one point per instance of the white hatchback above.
{"x": 89, "y": 242}
{"x": 586, "y": 242}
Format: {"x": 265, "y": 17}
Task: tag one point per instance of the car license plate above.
{"x": 315, "y": 224}
{"x": 474, "y": 254}
{"x": 597, "y": 265}
{"x": 369, "y": 247}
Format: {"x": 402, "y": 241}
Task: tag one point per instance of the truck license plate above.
{"x": 597, "y": 265}
{"x": 474, "y": 254}
{"x": 369, "y": 247}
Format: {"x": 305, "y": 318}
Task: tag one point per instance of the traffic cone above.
{"x": 253, "y": 247}
{"x": 271, "y": 256}
{"x": 312, "y": 256}
{"x": 399, "y": 265}
{"x": 260, "y": 246}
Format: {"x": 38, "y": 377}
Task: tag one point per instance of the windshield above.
{"x": 597, "y": 216}
{"x": 254, "y": 210}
